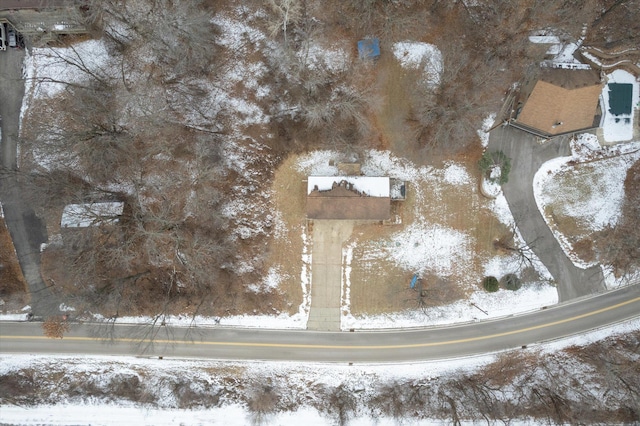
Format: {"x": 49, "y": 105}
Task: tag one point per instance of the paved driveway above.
{"x": 527, "y": 155}
{"x": 326, "y": 270}
{"x": 11, "y": 93}
{"x": 26, "y": 229}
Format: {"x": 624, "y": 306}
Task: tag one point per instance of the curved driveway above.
{"x": 366, "y": 347}
{"x": 527, "y": 155}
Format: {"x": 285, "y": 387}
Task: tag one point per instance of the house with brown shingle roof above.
{"x": 562, "y": 101}
{"x": 348, "y": 197}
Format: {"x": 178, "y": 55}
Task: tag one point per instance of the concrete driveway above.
{"x": 527, "y": 155}
{"x": 326, "y": 270}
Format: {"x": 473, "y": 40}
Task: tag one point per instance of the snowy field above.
{"x": 292, "y": 378}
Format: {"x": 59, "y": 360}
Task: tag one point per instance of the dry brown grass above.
{"x": 13, "y": 287}
{"x": 285, "y": 249}
{"x": 394, "y": 84}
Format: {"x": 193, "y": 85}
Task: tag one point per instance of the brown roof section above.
{"x": 342, "y": 203}
{"x": 562, "y": 101}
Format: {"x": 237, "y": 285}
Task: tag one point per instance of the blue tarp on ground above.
{"x": 620, "y": 95}
{"x": 369, "y": 48}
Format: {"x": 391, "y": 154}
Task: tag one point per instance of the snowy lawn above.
{"x": 583, "y": 193}
{"x": 446, "y": 237}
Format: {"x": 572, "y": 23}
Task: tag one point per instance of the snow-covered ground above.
{"x": 413, "y": 55}
{"x": 587, "y": 186}
{"x": 289, "y": 378}
{"x": 425, "y": 246}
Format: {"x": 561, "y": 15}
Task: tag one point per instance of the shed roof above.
{"x": 369, "y": 48}
{"x": 348, "y": 197}
{"x": 562, "y": 101}
{"x": 84, "y": 215}
{"x": 620, "y": 98}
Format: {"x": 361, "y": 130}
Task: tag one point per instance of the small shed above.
{"x": 620, "y": 98}
{"x": 91, "y": 214}
{"x": 369, "y": 48}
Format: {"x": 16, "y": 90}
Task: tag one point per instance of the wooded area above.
{"x": 153, "y": 128}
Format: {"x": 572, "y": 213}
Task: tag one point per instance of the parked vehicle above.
{"x": 12, "y": 37}
{"x": 3, "y": 40}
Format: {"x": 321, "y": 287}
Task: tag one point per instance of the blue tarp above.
{"x": 369, "y": 48}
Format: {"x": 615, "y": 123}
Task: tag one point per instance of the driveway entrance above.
{"x": 326, "y": 270}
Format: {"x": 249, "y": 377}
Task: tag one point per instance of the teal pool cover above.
{"x": 620, "y": 95}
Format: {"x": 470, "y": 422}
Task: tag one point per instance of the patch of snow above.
{"x": 544, "y": 39}
{"x": 48, "y": 70}
{"x": 318, "y": 163}
{"x": 502, "y": 303}
{"x": 305, "y": 276}
{"x": 65, "y": 308}
{"x": 83, "y": 215}
{"x": 566, "y": 54}
{"x": 14, "y": 317}
{"x": 372, "y": 186}
{"x": 613, "y": 282}
{"x": 347, "y": 257}
{"x": 236, "y": 34}
{"x": 383, "y": 163}
{"x": 597, "y": 203}
{"x": 423, "y": 247}
{"x": 316, "y": 56}
{"x": 595, "y": 200}
{"x": 280, "y": 321}
{"x": 455, "y": 174}
{"x": 490, "y": 187}
{"x": 414, "y": 55}
{"x": 269, "y": 283}
{"x": 590, "y": 337}
{"x": 483, "y": 132}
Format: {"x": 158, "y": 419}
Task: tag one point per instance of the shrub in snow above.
{"x": 490, "y": 284}
{"x": 511, "y": 282}
{"x": 495, "y": 166}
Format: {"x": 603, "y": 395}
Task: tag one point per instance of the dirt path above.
{"x": 526, "y": 158}
{"x": 326, "y": 269}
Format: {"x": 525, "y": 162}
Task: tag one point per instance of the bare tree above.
{"x": 55, "y": 327}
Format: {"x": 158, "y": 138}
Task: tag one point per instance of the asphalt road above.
{"x": 394, "y": 346}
